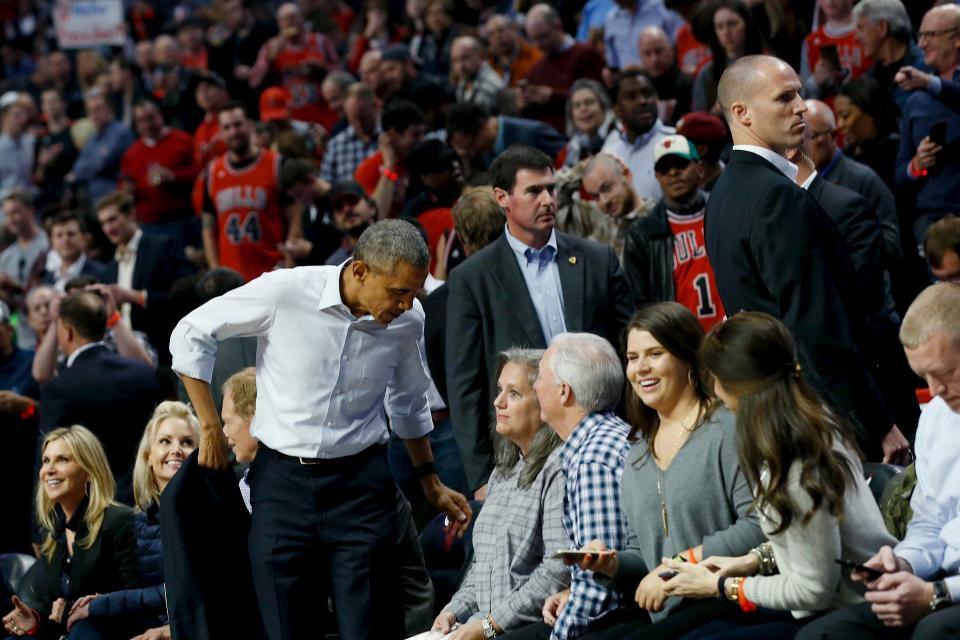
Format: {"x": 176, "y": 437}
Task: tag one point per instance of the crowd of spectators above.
{"x": 558, "y": 160}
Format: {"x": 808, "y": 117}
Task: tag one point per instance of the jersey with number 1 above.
{"x": 250, "y": 218}
{"x": 693, "y": 279}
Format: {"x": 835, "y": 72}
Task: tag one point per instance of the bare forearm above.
{"x": 202, "y": 400}
{"x": 128, "y": 345}
{"x": 45, "y": 359}
{"x": 209, "y": 235}
{"x": 383, "y": 196}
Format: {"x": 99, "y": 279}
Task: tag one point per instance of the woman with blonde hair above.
{"x": 171, "y": 435}
{"x": 89, "y": 545}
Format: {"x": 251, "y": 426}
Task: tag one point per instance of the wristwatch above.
{"x": 488, "y": 630}
{"x": 941, "y": 596}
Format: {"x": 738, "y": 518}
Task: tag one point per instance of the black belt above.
{"x": 324, "y": 463}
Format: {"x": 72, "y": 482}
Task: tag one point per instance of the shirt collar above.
{"x": 134, "y": 241}
{"x": 87, "y": 347}
{"x": 520, "y": 249}
{"x": 644, "y": 138}
{"x": 783, "y": 165}
{"x": 809, "y": 181}
{"x": 570, "y": 448}
{"x": 330, "y": 296}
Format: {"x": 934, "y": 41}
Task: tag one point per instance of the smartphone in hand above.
{"x": 872, "y": 574}
{"x": 576, "y": 555}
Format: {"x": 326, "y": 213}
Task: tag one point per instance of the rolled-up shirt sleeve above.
{"x": 406, "y": 398}
{"x": 246, "y": 311}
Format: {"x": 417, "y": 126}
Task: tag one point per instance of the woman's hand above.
{"x": 22, "y": 620}
{"x": 554, "y": 605}
{"x": 650, "y": 593}
{"x": 58, "y": 610}
{"x": 746, "y": 565}
{"x": 599, "y": 559}
{"x": 80, "y": 610}
{"x": 691, "y": 581}
{"x": 444, "y": 622}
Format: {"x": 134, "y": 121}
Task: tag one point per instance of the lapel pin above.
{"x": 573, "y": 259}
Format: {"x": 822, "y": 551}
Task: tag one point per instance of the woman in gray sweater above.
{"x": 808, "y": 484}
{"x": 520, "y": 526}
{"x": 683, "y": 492}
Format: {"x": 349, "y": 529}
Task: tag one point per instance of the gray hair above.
{"x": 343, "y": 79}
{"x": 506, "y": 454}
{"x": 602, "y": 96}
{"x": 936, "y": 309}
{"x": 388, "y": 243}
{"x": 592, "y": 368}
{"x": 890, "y": 11}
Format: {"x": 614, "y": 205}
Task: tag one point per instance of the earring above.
{"x": 690, "y": 378}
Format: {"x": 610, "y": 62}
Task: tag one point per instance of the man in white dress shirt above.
{"x": 918, "y": 594}
{"x": 337, "y": 354}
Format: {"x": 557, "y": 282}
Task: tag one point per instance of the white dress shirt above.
{"x": 785, "y": 167}
{"x": 54, "y": 264}
{"x": 932, "y": 542}
{"x": 326, "y": 380}
{"x": 638, "y": 157}
{"x": 126, "y": 259}
{"x": 542, "y": 277}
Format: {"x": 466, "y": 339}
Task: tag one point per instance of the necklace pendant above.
{"x": 663, "y": 517}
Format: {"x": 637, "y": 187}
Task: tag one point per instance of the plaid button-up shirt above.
{"x": 592, "y": 460}
{"x": 344, "y": 153}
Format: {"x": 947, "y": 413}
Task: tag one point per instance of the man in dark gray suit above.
{"x": 528, "y": 286}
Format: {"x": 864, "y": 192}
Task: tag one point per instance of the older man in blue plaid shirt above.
{"x": 359, "y": 140}
{"x": 578, "y": 387}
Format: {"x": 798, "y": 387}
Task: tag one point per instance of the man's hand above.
{"x": 600, "y": 559}
{"x": 450, "y": 502}
{"x": 387, "y": 151}
{"x": 58, "y": 610}
{"x": 11, "y": 402}
{"x": 444, "y": 622}
{"x": 480, "y": 494}
{"x": 900, "y": 598}
{"x": 213, "y": 447}
{"x": 926, "y": 156}
{"x": 553, "y": 606}
{"x": 473, "y": 630}
{"x": 886, "y": 561}
{"x": 79, "y": 610}
{"x": 296, "y": 248}
{"x": 911, "y": 79}
{"x": 157, "y": 633}
{"x": 537, "y": 93}
{"x": 123, "y": 295}
{"x": 825, "y": 74}
{"x": 896, "y": 448}
{"x": 650, "y": 594}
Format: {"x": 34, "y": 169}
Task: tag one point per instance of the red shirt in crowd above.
{"x": 849, "y": 50}
{"x": 691, "y": 53}
{"x": 437, "y": 223}
{"x": 693, "y": 279}
{"x": 307, "y": 103}
{"x": 164, "y": 201}
{"x": 250, "y": 218}
{"x": 206, "y": 140}
{"x": 368, "y": 174}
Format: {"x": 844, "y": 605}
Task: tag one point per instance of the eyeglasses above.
{"x": 923, "y": 35}
{"x": 816, "y": 135}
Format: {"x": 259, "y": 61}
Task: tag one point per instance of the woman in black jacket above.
{"x": 89, "y": 546}
{"x": 171, "y": 435}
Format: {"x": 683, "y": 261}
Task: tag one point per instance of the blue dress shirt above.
{"x": 542, "y": 276}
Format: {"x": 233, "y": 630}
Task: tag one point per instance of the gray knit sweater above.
{"x": 708, "y": 502}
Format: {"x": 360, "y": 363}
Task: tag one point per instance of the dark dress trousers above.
{"x": 774, "y": 250}
{"x": 490, "y": 310}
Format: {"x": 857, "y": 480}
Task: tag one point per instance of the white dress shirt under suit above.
{"x": 325, "y": 379}
{"x": 540, "y": 272}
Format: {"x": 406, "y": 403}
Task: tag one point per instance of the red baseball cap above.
{"x": 275, "y": 104}
{"x": 701, "y": 126}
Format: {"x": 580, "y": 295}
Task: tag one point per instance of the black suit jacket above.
{"x": 111, "y": 395}
{"x": 490, "y": 310}
{"x": 209, "y": 586}
{"x": 90, "y": 268}
{"x": 773, "y": 249}
{"x": 158, "y": 263}
{"x": 434, "y": 336}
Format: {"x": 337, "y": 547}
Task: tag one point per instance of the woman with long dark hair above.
{"x": 809, "y": 490}
{"x": 682, "y": 490}
{"x": 867, "y": 119}
{"x": 734, "y": 35}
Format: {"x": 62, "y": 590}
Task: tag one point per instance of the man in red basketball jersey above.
{"x": 245, "y": 213}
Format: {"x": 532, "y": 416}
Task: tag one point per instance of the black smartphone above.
{"x": 872, "y": 574}
{"x": 666, "y": 575}
{"x": 938, "y": 133}
{"x": 829, "y": 53}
